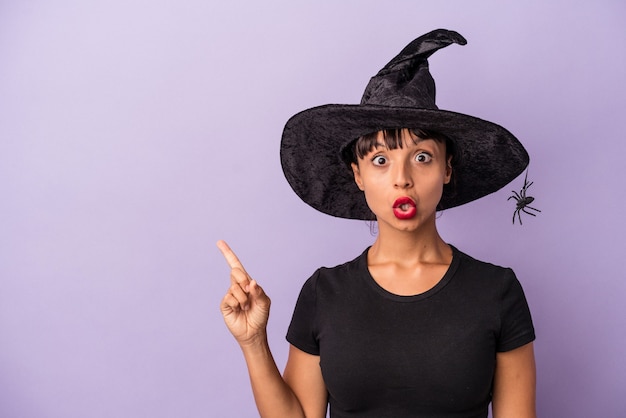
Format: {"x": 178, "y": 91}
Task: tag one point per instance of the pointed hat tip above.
{"x": 424, "y": 46}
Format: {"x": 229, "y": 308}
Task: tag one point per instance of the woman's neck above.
{"x": 422, "y": 246}
{"x": 408, "y": 263}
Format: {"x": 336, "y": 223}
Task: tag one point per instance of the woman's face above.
{"x": 403, "y": 186}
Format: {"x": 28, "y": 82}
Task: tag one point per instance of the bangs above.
{"x": 392, "y": 139}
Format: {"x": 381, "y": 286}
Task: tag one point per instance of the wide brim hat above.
{"x": 401, "y": 95}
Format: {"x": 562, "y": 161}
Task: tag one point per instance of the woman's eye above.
{"x": 423, "y": 157}
{"x": 379, "y": 160}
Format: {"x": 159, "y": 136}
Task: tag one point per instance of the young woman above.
{"x": 412, "y": 327}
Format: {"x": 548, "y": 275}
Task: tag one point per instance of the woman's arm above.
{"x": 273, "y": 396}
{"x": 245, "y": 308}
{"x": 304, "y": 375}
{"x": 514, "y": 384}
{"x": 301, "y": 393}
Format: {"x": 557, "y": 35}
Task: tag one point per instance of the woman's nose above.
{"x": 402, "y": 177}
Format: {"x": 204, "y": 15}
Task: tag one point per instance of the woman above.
{"x": 412, "y": 327}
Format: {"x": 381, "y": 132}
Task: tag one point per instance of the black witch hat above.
{"x": 401, "y": 95}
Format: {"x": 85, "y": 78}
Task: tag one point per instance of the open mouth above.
{"x": 404, "y": 208}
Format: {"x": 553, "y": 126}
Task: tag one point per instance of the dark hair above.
{"x": 393, "y": 140}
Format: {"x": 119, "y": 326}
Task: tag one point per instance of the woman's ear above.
{"x": 357, "y": 175}
{"x": 448, "y": 175}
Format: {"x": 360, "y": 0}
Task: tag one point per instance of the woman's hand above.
{"x": 246, "y": 310}
{"x": 245, "y": 306}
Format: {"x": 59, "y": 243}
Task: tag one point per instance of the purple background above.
{"x": 134, "y": 134}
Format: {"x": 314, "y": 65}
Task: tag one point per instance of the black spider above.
{"x": 523, "y": 201}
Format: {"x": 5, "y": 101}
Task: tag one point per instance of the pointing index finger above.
{"x": 229, "y": 255}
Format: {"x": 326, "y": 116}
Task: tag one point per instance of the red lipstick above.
{"x": 404, "y": 208}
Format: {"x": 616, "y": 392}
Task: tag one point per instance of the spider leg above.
{"x": 518, "y": 197}
{"x": 528, "y": 207}
{"x": 530, "y": 213}
{"x": 523, "y": 192}
{"x": 519, "y": 216}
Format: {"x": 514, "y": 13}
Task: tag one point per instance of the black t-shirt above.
{"x": 428, "y": 355}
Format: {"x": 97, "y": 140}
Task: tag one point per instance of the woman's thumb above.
{"x": 258, "y": 293}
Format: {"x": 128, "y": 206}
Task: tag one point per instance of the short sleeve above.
{"x": 302, "y": 329}
{"x": 515, "y": 318}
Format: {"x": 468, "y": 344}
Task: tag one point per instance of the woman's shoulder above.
{"x": 480, "y": 268}
{"x": 487, "y": 281}
{"x": 357, "y": 263}
{"x": 339, "y": 274}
